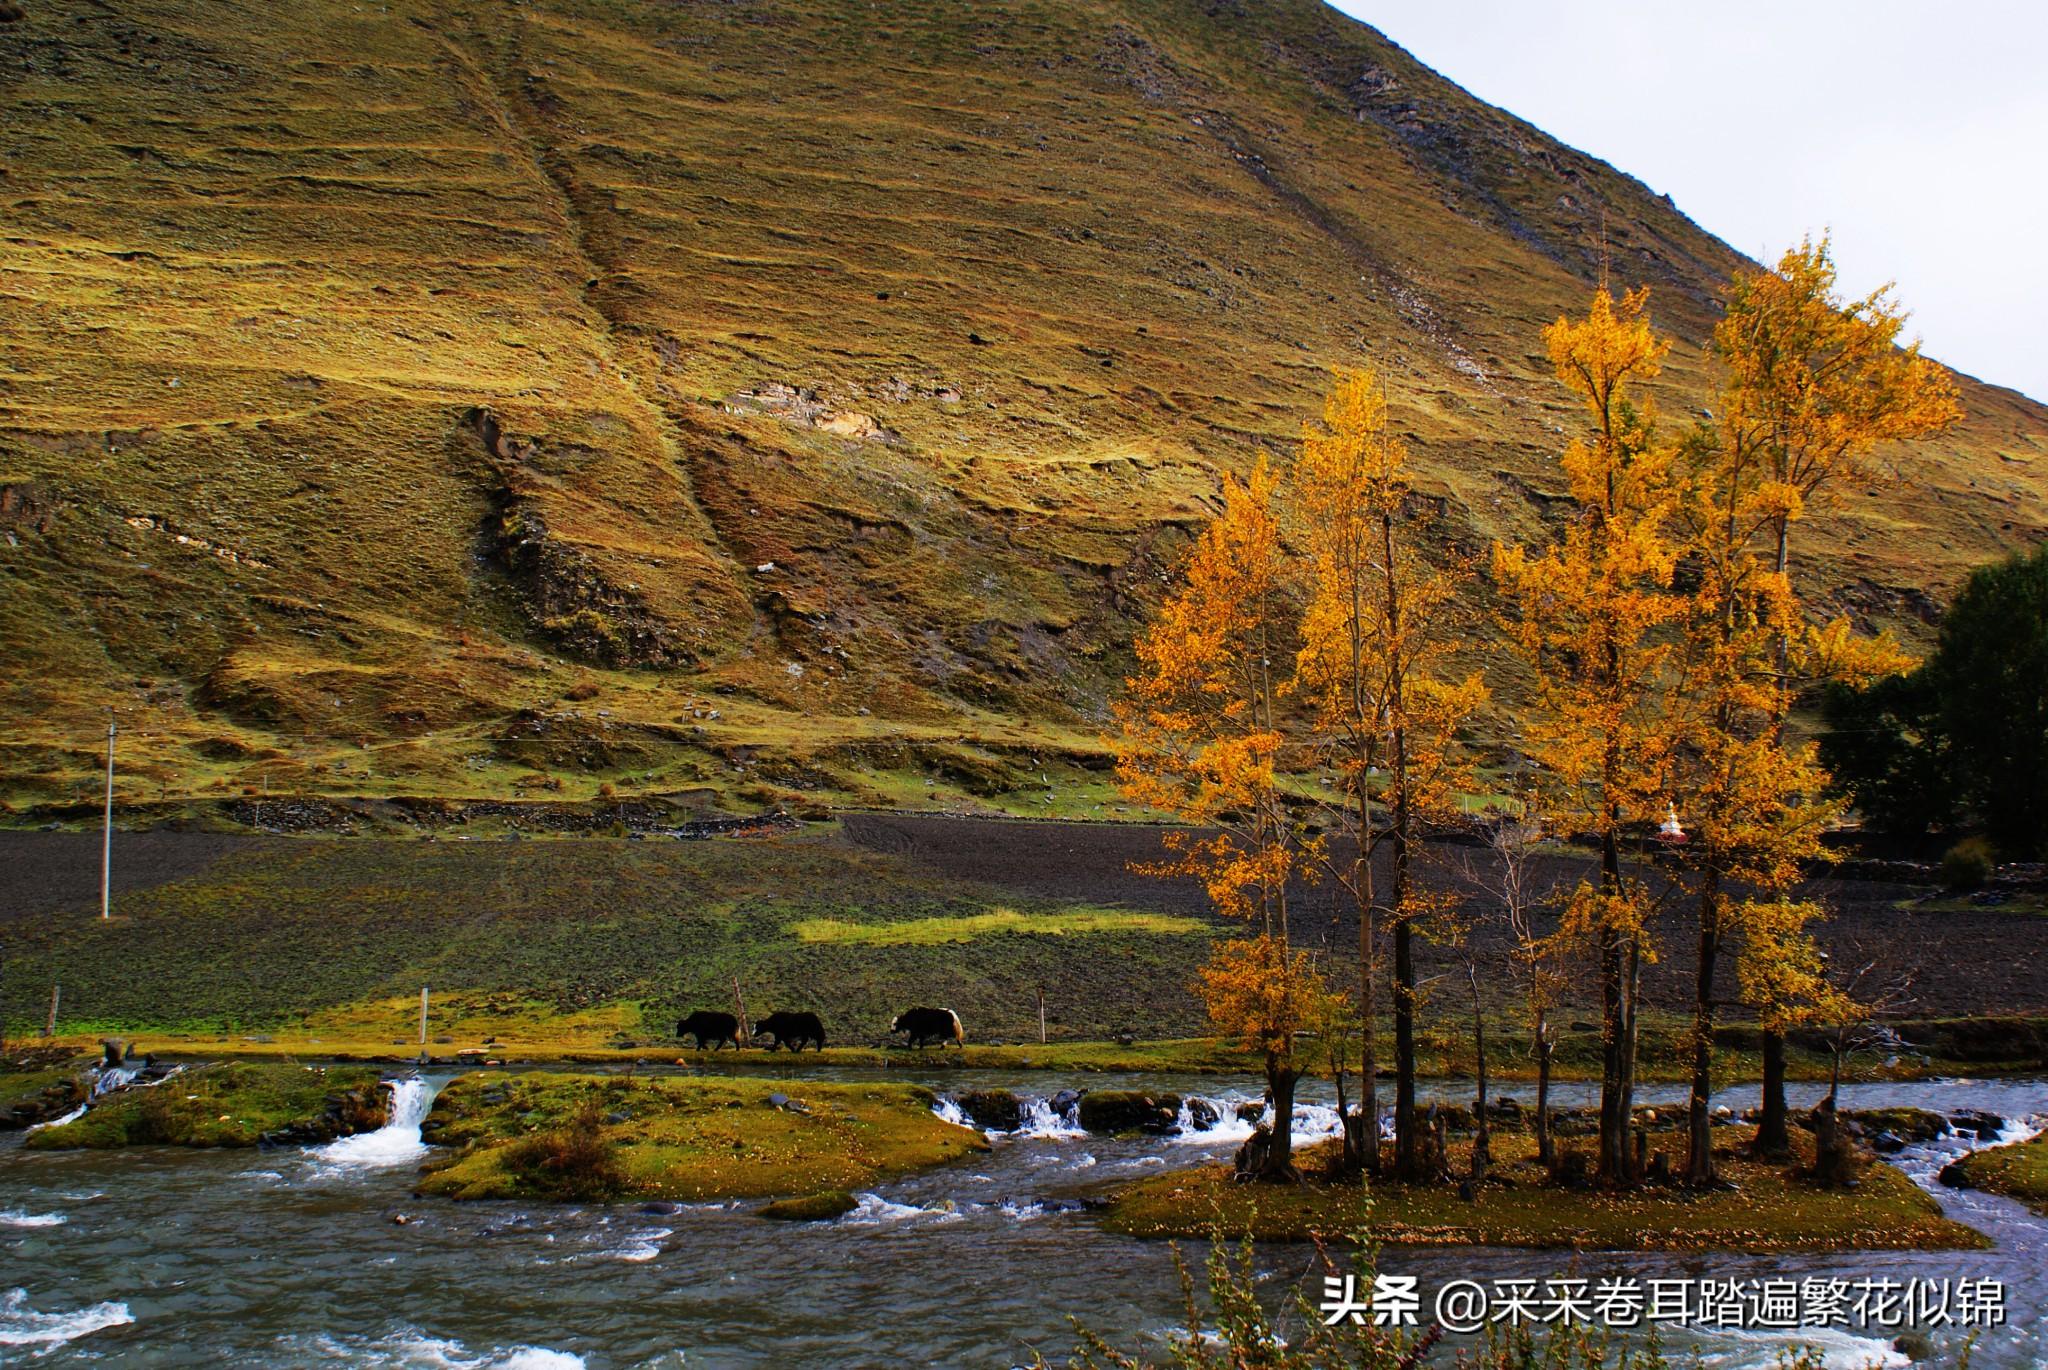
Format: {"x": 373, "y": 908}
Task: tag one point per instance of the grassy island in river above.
{"x": 591, "y": 1138}
{"x": 2018, "y": 1171}
{"x": 1770, "y": 1208}
{"x": 230, "y": 1104}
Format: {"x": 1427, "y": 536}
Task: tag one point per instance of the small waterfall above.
{"x": 1039, "y": 1120}
{"x": 1224, "y": 1126}
{"x": 1312, "y": 1122}
{"x": 118, "y": 1077}
{"x": 950, "y": 1111}
{"x": 398, "y": 1141}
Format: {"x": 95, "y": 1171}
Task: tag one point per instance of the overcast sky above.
{"x": 1916, "y": 132}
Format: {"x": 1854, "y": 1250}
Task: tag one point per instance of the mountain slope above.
{"x": 469, "y": 399}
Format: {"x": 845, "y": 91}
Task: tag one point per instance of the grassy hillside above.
{"x": 761, "y": 400}
{"x": 587, "y": 941}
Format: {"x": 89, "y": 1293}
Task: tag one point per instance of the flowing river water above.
{"x": 294, "y": 1258}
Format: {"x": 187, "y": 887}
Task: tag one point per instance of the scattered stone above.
{"x": 993, "y": 1108}
{"x": 1986, "y": 1126}
{"x": 1128, "y": 1110}
{"x": 811, "y": 1207}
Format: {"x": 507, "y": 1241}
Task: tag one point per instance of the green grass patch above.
{"x": 1770, "y": 1209}
{"x": 925, "y": 932}
{"x": 588, "y": 1138}
{"x": 2018, "y": 1171}
{"x": 233, "y": 1104}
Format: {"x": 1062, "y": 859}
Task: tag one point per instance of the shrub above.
{"x": 571, "y": 1161}
{"x": 1967, "y": 865}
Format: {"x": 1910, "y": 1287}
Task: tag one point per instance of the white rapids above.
{"x": 23, "y": 1326}
{"x": 397, "y": 1142}
{"x": 1039, "y": 1120}
{"x": 116, "y": 1077}
{"x": 1312, "y": 1122}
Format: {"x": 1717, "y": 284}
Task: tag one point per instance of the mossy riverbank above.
{"x": 2018, "y": 1171}
{"x": 229, "y": 1104}
{"x": 603, "y": 1137}
{"x": 1769, "y": 1209}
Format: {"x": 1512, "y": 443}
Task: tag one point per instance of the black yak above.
{"x": 930, "y": 1025}
{"x": 719, "y": 1028}
{"x": 791, "y": 1030}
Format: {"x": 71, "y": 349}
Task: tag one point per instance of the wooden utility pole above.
{"x": 740, "y": 1003}
{"x": 50, "y": 1025}
{"x": 107, "y": 833}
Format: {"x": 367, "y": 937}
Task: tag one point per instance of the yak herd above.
{"x": 918, "y": 1027}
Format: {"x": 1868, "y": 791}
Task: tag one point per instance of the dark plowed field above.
{"x": 1979, "y": 961}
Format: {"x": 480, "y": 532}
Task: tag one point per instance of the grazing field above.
{"x": 577, "y": 941}
{"x": 598, "y": 945}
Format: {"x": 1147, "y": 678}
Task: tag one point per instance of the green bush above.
{"x": 1967, "y": 865}
{"x": 570, "y": 1162}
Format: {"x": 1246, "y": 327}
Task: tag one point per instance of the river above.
{"x": 296, "y": 1258}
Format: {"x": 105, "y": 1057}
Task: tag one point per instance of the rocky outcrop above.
{"x": 993, "y": 1108}
{"x": 567, "y": 597}
{"x": 364, "y": 1108}
{"x": 1128, "y": 1110}
{"x": 51, "y": 1101}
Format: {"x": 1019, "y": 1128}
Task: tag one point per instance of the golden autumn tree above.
{"x": 1200, "y": 737}
{"x": 1754, "y": 807}
{"x": 1386, "y": 710}
{"x": 1588, "y": 612}
{"x": 1816, "y": 386}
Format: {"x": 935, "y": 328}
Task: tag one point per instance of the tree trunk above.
{"x": 1773, "y": 1135}
{"x": 1773, "y": 1132}
{"x": 1407, "y": 1159}
{"x": 1699, "y": 1156}
{"x": 1365, "y": 1137}
{"x": 1613, "y": 1158}
{"x": 1545, "y": 1148}
{"x": 1280, "y": 1078}
{"x": 1481, "y": 1136}
{"x": 1631, "y": 998}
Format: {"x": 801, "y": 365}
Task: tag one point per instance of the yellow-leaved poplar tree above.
{"x": 1754, "y": 808}
{"x": 1817, "y": 385}
{"x": 1200, "y": 737}
{"x": 1386, "y": 710}
{"x": 1587, "y": 611}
